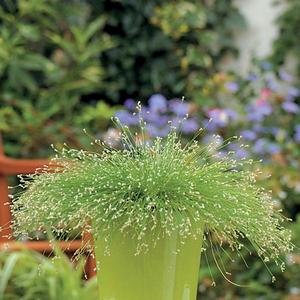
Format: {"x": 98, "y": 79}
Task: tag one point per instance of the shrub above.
{"x": 165, "y": 46}
{"x": 288, "y": 39}
{"x": 49, "y": 59}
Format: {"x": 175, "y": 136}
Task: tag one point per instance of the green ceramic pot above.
{"x": 159, "y": 274}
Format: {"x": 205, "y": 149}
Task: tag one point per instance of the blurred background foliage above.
{"x": 69, "y": 65}
{"x": 49, "y": 60}
{"x": 190, "y": 37}
{"x": 287, "y": 43}
{"x": 56, "y": 57}
{"x": 32, "y": 276}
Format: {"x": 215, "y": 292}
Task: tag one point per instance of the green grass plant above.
{"x": 155, "y": 187}
{"x": 27, "y": 275}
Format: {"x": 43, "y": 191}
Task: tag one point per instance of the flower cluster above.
{"x": 158, "y": 114}
{"x": 264, "y": 109}
{"x": 267, "y": 119}
{"x": 158, "y": 187}
{"x": 266, "y": 106}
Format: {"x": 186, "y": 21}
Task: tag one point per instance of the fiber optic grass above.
{"x": 159, "y": 187}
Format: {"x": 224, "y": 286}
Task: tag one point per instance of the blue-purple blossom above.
{"x": 259, "y": 146}
{"x": 290, "y": 107}
{"x": 127, "y": 118}
{"x": 258, "y": 128}
{"x": 154, "y": 131}
{"x": 157, "y": 103}
{"x": 275, "y": 130}
{"x": 222, "y": 153}
{"x": 297, "y": 133}
{"x": 232, "y": 86}
{"x": 272, "y": 84}
{"x": 154, "y": 117}
{"x": 190, "y": 126}
{"x": 251, "y": 77}
{"x": 241, "y": 153}
{"x": 130, "y": 104}
{"x": 158, "y": 113}
{"x": 266, "y": 65}
{"x": 219, "y": 118}
{"x": 177, "y": 123}
{"x": 293, "y": 92}
{"x": 213, "y": 139}
{"x": 273, "y": 148}
{"x": 285, "y": 76}
{"x": 263, "y": 146}
{"x": 179, "y": 107}
{"x": 258, "y": 110}
{"x": 249, "y": 135}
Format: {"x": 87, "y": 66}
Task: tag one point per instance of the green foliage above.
{"x": 30, "y": 276}
{"x": 289, "y": 36}
{"x": 57, "y": 55}
{"x": 49, "y": 59}
{"x": 165, "y": 46}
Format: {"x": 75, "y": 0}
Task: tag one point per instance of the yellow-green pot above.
{"x": 168, "y": 271}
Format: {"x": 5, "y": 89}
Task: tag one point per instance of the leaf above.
{"x": 20, "y": 78}
{"x": 93, "y": 27}
{"x": 32, "y": 61}
{"x": 7, "y": 271}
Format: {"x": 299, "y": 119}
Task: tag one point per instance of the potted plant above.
{"x": 148, "y": 206}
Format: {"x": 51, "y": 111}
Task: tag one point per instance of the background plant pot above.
{"x": 160, "y": 273}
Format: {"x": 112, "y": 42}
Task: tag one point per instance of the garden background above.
{"x": 69, "y": 65}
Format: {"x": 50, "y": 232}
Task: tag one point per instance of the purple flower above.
{"x": 272, "y": 84}
{"x": 259, "y": 146}
{"x": 190, "y": 126}
{"x": 275, "y": 130}
{"x": 263, "y": 146}
{"x": 178, "y": 123}
{"x": 259, "y": 128}
{"x": 285, "y": 76}
{"x": 231, "y": 114}
{"x": 154, "y": 131}
{"x": 127, "y": 118}
{"x": 266, "y": 65}
{"x": 220, "y": 118}
{"x": 222, "y": 154}
{"x": 251, "y": 77}
{"x": 293, "y": 92}
{"x": 248, "y": 135}
{"x": 233, "y": 146}
{"x": 154, "y": 118}
{"x": 258, "y": 110}
{"x": 209, "y": 125}
{"x": 254, "y": 116}
{"x": 232, "y": 86}
{"x": 273, "y": 148}
{"x": 241, "y": 153}
{"x": 297, "y": 133}
{"x": 130, "y": 104}
{"x": 217, "y": 141}
{"x": 179, "y": 107}
{"x": 290, "y": 107}
{"x": 158, "y": 103}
